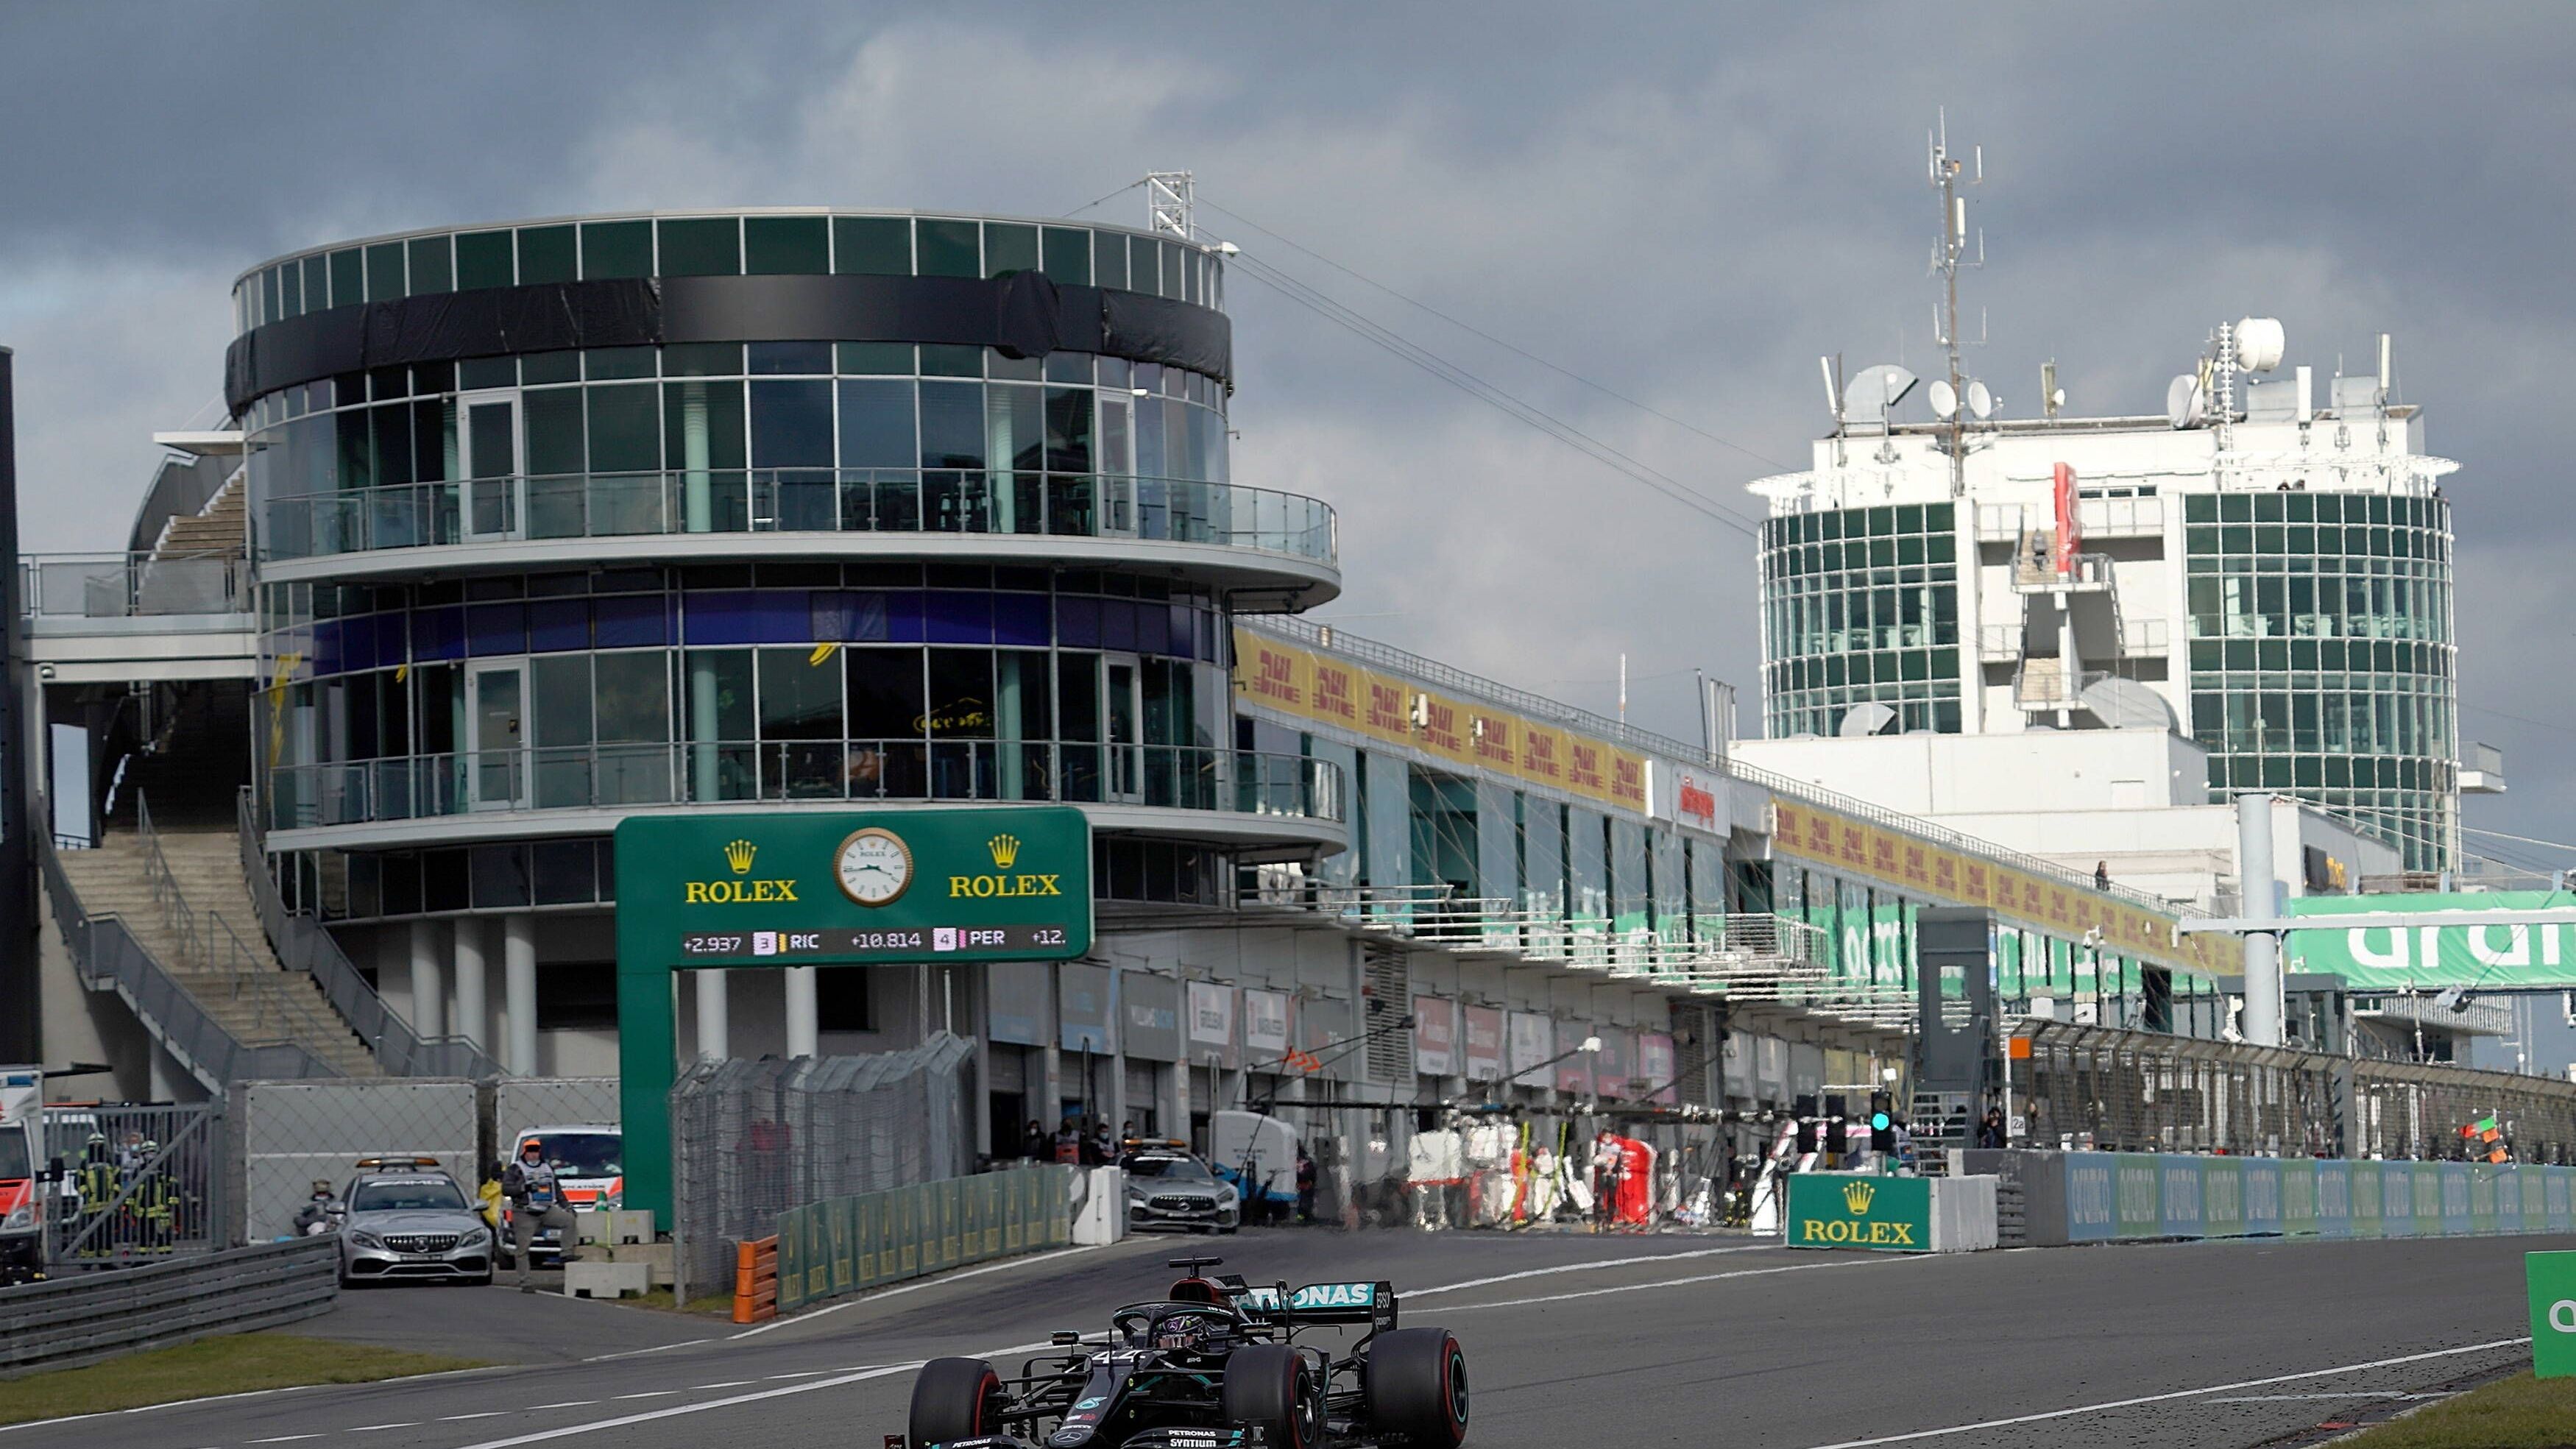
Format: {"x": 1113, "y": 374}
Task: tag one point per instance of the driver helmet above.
{"x": 1186, "y": 1332}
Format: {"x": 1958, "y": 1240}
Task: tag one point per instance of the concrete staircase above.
{"x": 219, "y": 530}
{"x": 233, "y": 974}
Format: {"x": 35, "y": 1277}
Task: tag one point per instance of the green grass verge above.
{"x": 228, "y": 1364}
{"x": 2516, "y": 1413}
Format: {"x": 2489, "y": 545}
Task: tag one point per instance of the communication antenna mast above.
{"x": 1949, "y": 254}
{"x": 1170, "y": 202}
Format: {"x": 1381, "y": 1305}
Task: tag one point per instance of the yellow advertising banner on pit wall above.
{"x": 1308, "y": 685}
{"x": 1894, "y": 858}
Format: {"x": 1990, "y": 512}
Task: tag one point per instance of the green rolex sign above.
{"x": 789, "y": 887}
{"x": 1856, "y": 1210}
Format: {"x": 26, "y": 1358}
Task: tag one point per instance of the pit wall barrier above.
{"x": 846, "y": 1244}
{"x": 2102, "y": 1197}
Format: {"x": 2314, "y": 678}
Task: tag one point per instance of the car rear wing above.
{"x": 1317, "y": 1303}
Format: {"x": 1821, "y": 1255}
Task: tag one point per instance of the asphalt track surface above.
{"x": 1571, "y": 1341}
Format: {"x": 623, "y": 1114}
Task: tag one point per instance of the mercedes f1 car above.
{"x": 1217, "y": 1363}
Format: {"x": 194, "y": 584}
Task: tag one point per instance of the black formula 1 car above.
{"x": 1214, "y": 1364}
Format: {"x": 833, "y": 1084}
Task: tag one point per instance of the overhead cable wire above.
{"x": 1113, "y": 196}
{"x": 1513, "y": 348}
{"x": 1477, "y": 387}
{"x": 2520, "y": 839}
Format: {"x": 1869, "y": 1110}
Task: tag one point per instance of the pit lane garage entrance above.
{"x": 790, "y": 887}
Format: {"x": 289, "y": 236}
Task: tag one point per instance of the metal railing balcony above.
{"x": 130, "y": 585}
{"x": 2145, "y": 638}
{"x": 1999, "y": 522}
{"x": 2142, "y": 517}
{"x": 798, "y": 500}
{"x": 1181, "y": 777}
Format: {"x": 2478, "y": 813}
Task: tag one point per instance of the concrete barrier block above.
{"x": 586, "y": 1279}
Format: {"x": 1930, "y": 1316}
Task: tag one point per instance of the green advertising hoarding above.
{"x": 2549, "y": 1281}
{"x": 2386, "y": 958}
{"x": 1856, "y": 1210}
{"x": 787, "y": 886}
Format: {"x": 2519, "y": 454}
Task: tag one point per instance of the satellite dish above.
{"x": 1866, "y": 719}
{"x": 1981, "y": 399}
{"x": 2125, "y": 704}
{"x": 1876, "y": 390}
{"x": 2185, "y": 403}
{"x": 1944, "y": 399}
{"x": 2259, "y": 343}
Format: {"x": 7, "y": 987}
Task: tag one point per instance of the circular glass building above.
{"x": 557, "y": 522}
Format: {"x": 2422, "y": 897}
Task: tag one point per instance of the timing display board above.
{"x": 795, "y": 889}
{"x": 929, "y": 885}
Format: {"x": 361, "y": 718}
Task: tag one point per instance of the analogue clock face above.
{"x": 874, "y": 866}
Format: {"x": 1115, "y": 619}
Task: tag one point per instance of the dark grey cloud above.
{"x": 1686, "y": 203}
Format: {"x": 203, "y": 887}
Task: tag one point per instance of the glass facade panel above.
{"x": 1860, "y": 606}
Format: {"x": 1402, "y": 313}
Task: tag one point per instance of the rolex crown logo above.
{"x": 1856, "y": 1196}
{"x": 1005, "y": 848}
{"x": 738, "y": 854}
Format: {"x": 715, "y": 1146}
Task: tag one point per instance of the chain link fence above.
{"x": 294, "y": 1134}
{"x": 752, "y": 1139}
{"x": 2123, "y": 1091}
{"x": 140, "y": 1184}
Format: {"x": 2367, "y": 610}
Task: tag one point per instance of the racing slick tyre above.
{"x": 955, "y": 1398}
{"x": 1274, "y": 1386}
{"x": 1417, "y": 1388}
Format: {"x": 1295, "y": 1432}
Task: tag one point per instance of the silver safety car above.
{"x": 411, "y": 1221}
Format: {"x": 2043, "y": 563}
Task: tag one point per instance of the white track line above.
{"x": 371, "y": 1428}
{"x": 2168, "y": 1398}
{"x": 913, "y": 1288}
{"x": 486, "y": 1414}
{"x": 640, "y": 1352}
{"x": 1680, "y": 1282}
{"x": 1579, "y": 1268}
{"x": 675, "y": 1410}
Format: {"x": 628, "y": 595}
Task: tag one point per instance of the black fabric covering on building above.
{"x": 1026, "y": 314}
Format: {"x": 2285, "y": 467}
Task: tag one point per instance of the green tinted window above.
{"x": 1108, "y": 259}
{"x": 317, "y": 284}
{"x": 866, "y": 358}
{"x": 610, "y": 363}
{"x": 546, "y": 255}
{"x": 702, "y": 359}
{"x": 384, "y": 272}
{"x": 348, "y": 277}
{"x": 554, "y": 426}
{"x": 433, "y": 267}
{"x": 539, "y": 367}
{"x": 1144, "y": 265}
{"x": 1068, "y": 255}
{"x": 481, "y": 372}
{"x": 701, "y": 246}
{"x": 1009, "y": 249}
{"x": 872, "y": 246}
{"x": 949, "y": 249}
{"x": 786, "y": 245}
{"x": 616, "y": 249}
{"x": 625, "y": 429}
{"x": 944, "y": 360}
{"x": 483, "y": 260}
{"x": 290, "y": 278}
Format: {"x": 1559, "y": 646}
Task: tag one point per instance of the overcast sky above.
{"x": 1683, "y": 203}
